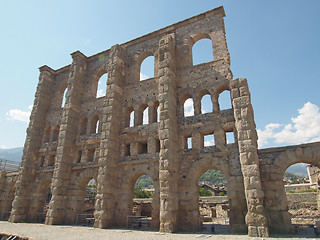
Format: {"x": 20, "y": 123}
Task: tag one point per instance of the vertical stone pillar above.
{"x": 64, "y": 154}
{"x": 318, "y": 192}
{"x": 3, "y": 177}
{"x": 110, "y": 143}
{"x": 168, "y": 162}
{"x": 247, "y": 143}
{"x": 24, "y": 185}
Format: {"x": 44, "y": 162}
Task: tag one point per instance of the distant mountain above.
{"x": 298, "y": 169}
{"x": 12, "y": 154}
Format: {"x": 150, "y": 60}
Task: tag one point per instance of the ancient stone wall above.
{"x": 92, "y": 138}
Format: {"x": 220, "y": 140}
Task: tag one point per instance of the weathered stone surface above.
{"x": 91, "y": 138}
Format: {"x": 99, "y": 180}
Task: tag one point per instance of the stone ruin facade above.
{"x": 91, "y": 138}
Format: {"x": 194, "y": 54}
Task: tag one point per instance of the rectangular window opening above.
{"x": 208, "y": 140}
{"x": 142, "y": 148}
{"x": 230, "y": 137}
{"x": 189, "y": 142}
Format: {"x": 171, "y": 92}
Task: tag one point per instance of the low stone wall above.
{"x": 214, "y": 199}
{"x": 302, "y": 197}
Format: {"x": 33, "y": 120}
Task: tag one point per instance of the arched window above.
{"x": 102, "y": 86}
{"x": 55, "y": 133}
{"x": 213, "y": 183}
{"x": 83, "y": 126}
{"x": 63, "y": 99}
{"x": 129, "y": 117}
{"x": 188, "y": 107}
{"x": 145, "y": 118}
{"x": 147, "y": 68}
{"x": 143, "y": 114}
{"x": 206, "y": 104}
{"x": 94, "y": 124}
{"x": 202, "y": 51}
{"x": 143, "y": 187}
{"x": 225, "y": 100}
{"x": 47, "y": 133}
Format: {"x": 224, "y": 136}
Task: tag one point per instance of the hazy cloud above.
{"x": 188, "y": 107}
{"x": 143, "y": 76}
{"x": 19, "y": 115}
{"x": 302, "y": 129}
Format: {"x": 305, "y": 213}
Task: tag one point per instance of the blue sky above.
{"x": 274, "y": 44}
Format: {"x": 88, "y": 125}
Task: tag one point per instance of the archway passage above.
{"x": 86, "y": 205}
{"x": 41, "y": 202}
{"x": 142, "y": 209}
{"x": 300, "y": 185}
{"x": 214, "y": 207}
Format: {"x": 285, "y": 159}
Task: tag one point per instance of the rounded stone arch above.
{"x": 222, "y": 87}
{"x": 41, "y": 196}
{"x": 95, "y": 118}
{"x": 195, "y": 39}
{"x": 96, "y": 77}
{"x": 143, "y": 106}
{"x": 298, "y": 155}
{"x": 189, "y": 190}
{"x": 181, "y": 101}
{"x": 198, "y": 101}
{"x": 140, "y": 60}
{"x": 79, "y": 187}
{"x": 127, "y": 116}
{"x": 84, "y": 177}
{"x": 199, "y": 167}
{"x": 130, "y": 176}
{"x": 62, "y": 92}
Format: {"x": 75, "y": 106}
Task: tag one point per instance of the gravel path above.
{"x": 48, "y": 232}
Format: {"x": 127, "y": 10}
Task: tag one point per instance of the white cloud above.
{"x": 143, "y": 76}
{"x": 302, "y": 129}
{"x": 188, "y": 107}
{"x": 4, "y": 147}
{"x": 100, "y": 93}
{"x": 19, "y": 115}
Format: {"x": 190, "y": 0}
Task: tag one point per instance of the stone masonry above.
{"x": 91, "y": 137}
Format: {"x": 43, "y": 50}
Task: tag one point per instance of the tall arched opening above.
{"x": 214, "y": 209}
{"x": 83, "y": 206}
{"x": 144, "y": 207}
{"x": 40, "y": 203}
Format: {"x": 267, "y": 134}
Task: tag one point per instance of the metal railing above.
{"x": 85, "y": 219}
{"x": 138, "y": 222}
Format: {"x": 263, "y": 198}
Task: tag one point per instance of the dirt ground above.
{"x": 49, "y": 232}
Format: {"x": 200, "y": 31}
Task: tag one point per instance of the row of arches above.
{"x": 144, "y": 114}
{"x": 90, "y": 127}
{"x": 201, "y": 50}
{"x": 51, "y": 134}
{"x": 205, "y": 102}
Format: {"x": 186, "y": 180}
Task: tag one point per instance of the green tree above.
{"x": 204, "y": 192}
{"x": 140, "y": 193}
